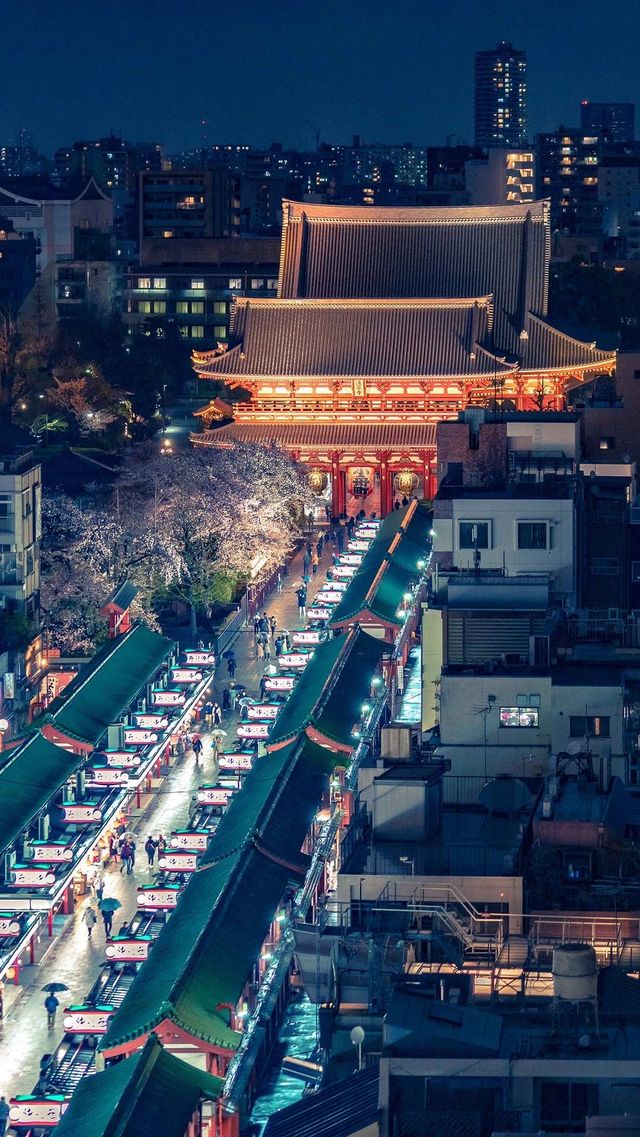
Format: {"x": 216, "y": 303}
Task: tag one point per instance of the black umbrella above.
{"x": 53, "y": 987}
{"x": 229, "y": 654}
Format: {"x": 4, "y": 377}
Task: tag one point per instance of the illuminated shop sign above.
{"x": 168, "y": 698}
{"x": 81, "y": 813}
{"x": 190, "y": 839}
{"x": 152, "y": 722}
{"x": 185, "y": 675}
{"x": 136, "y": 736}
{"x": 128, "y": 949}
{"x": 214, "y": 795}
{"x": 253, "y": 729}
{"x": 280, "y": 682}
{"x": 201, "y": 658}
{"x": 36, "y": 1111}
{"x": 87, "y": 1020}
{"x": 162, "y": 897}
{"x": 51, "y": 852}
{"x": 181, "y": 861}
{"x": 262, "y": 710}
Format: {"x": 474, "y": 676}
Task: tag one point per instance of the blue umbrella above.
{"x": 109, "y": 904}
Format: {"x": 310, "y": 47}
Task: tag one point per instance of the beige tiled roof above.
{"x": 312, "y": 338}
{"x": 324, "y": 436}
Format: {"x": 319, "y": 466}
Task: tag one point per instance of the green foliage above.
{"x": 16, "y": 631}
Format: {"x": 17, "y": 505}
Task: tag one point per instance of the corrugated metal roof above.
{"x": 324, "y": 436}
{"x": 337, "y": 251}
{"x": 337, "y": 1110}
{"x": 321, "y": 338}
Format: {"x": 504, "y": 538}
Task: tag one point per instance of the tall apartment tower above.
{"x": 501, "y": 97}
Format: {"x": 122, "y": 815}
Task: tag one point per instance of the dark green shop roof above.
{"x": 249, "y": 807}
{"x": 146, "y": 1095}
{"x": 298, "y": 710}
{"x": 159, "y": 988}
{"x": 107, "y": 685}
{"x": 331, "y": 689}
{"x": 29, "y": 776}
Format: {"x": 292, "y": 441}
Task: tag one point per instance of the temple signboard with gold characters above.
{"x": 387, "y": 321}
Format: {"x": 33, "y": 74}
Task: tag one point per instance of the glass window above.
{"x": 589, "y": 726}
{"x": 474, "y": 534}
{"x": 272, "y": 283}
{"x": 197, "y": 332}
{"x": 182, "y": 307}
{"x": 220, "y": 308}
{"x": 159, "y": 282}
{"x": 144, "y": 282}
{"x": 565, "y": 1105}
{"x": 144, "y": 306}
{"x": 256, "y": 282}
{"x": 607, "y": 443}
{"x": 5, "y": 505}
{"x": 519, "y": 716}
{"x": 197, "y": 307}
{"x": 29, "y": 561}
{"x": 197, "y": 284}
{"x": 159, "y": 307}
{"x": 184, "y": 330}
{"x": 235, "y": 282}
{"x": 532, "y": 534}
{"x": 220, "y": 331}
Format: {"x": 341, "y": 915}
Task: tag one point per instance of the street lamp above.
{"x": 409, "y": 861}
{"x": 357, "y": 1038}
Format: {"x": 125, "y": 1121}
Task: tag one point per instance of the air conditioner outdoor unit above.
{"x": 9, "y": 862}
{"x": 44, "y": 826}
{"x": 27, "y": 850}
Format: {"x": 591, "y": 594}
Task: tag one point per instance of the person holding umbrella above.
{"x": 107, "y": 907}
{"x": 197, "y": 748}
{"x": 51, "y": 1004}
{"x": 231, "y": 666}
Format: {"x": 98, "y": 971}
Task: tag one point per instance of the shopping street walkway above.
{"x": 74, "y": 959}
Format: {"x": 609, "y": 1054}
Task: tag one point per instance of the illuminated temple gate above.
{"x": 388, "y": 320}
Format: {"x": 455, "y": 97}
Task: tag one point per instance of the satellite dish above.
{"x": 574, "y": 748}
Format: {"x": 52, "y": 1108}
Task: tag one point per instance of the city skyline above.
{"x": 268, "y": 75}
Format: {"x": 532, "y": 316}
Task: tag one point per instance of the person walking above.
{"x": 4, "y": 1115}
{"x": 231, "y": 666}
{"x": 266, "y": 646}
{"x": 314, "y": 562}
{"x": 340, "y": 539}
{"x": 302, "y": 601}
{"x": 180, "y": 748}
{"x": 226, "y": 699}
{"x": 107, "y": 918}
{"x": 278, "y": 645}
{"x": 51, "y": 1005}
{"x": 197, "y": 748}
{"x": 216, "y": 715}
{"x": 320, "y": 545}
{"x": 306, "y": 563}
{"x": 264, "y": 624}
{"x": 162, "y": 844}
{"x": 126, "y": 855}
{"x": 263, "y": 682}
{"x": 273, "y": 624}
{"x": 133, "y": 853}
{"x": 279, "y": 582}
{"x": 260, "y": 642}
{"x": 150, "y": 847}
{"x": 90, "y": 920}
{"x": 256, "y": 625}
{"x": 207, "y": 711}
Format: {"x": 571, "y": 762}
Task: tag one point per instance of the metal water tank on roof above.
{"x": 575, "y": 972}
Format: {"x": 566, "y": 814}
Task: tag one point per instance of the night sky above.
{"x": 265, "y": 70}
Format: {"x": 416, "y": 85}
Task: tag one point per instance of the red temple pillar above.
{"x": 385, "y": 503}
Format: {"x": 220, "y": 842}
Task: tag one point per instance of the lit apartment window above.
{"x": 144, "y": 306}
{"x": 257, "y": 283}
{"x": 182, "y": 307}
{"x": 272, "y": 283}
{"x": 184, "y": 331}
{"x": 220, "y": 331}
{"x": 197, "y": 284}
{"x": 235, "y": 282}
{"x": 167, "y": 232}
{"x": 197, "y": 332}
{"x": 159, "y": 307}
{"x": 144, "y": 282}
{"x": 220, "y": 308}
{"x": 519, "y": 717}
{"x": 607, "y": 442}
{"x": 532, "y": 534}
{"x": 197, "y": 307}
{"x": 159, "y": 282}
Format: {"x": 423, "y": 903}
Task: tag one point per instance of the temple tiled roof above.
{"x": 415, "y": 338}
{"x": 547, "y": 347}
{"x": 335, "y": 251}
{"x": 324, "y": 436}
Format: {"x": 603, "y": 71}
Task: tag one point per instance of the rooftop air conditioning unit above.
{"x": 44, "y": 826}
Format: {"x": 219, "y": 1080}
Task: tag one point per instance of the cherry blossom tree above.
{"x": 188, "y": 526}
